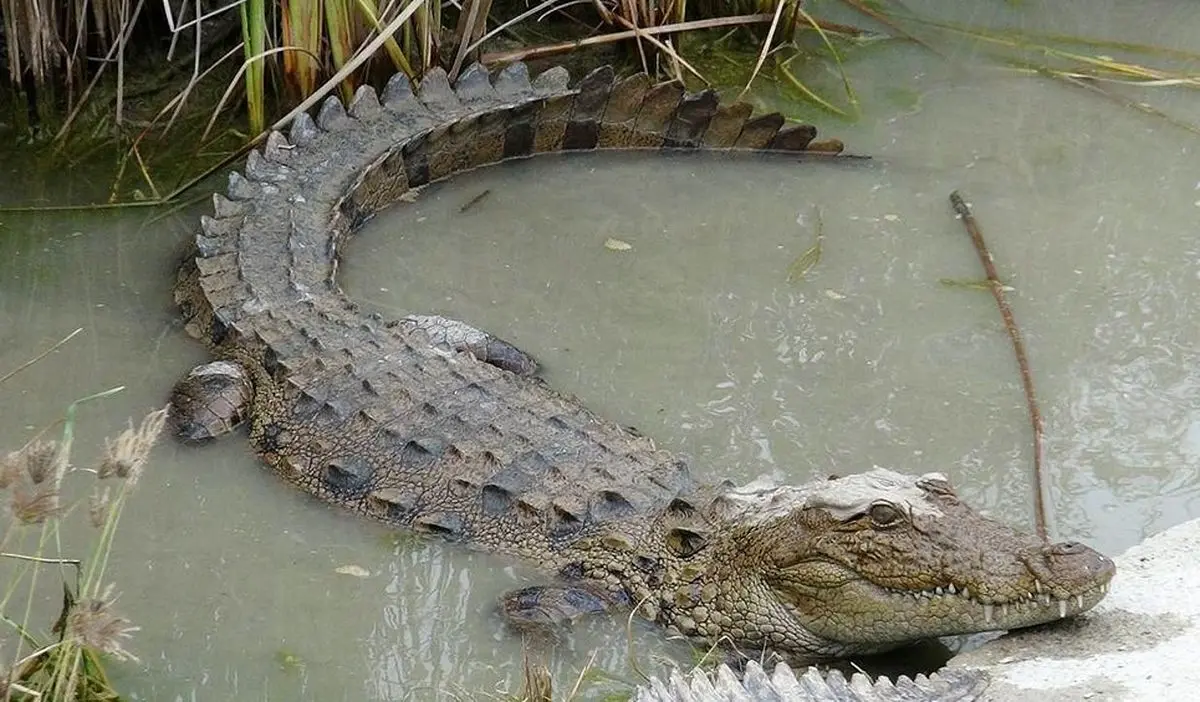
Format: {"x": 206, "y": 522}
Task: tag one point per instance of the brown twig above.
{"x": 883, "y": 19}
{"x": 1035, "y": 416}
{"x": 566, "y": 46}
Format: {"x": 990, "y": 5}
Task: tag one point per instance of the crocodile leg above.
{"x": 545, "y": 606}
{"x": 212, "y": 401}
{"x": 456, "y": 335}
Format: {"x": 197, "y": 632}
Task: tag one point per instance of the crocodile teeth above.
{"x": 1040, "y": 598}
{"x": 1037, "y": 585}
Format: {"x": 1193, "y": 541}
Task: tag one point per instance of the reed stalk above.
{"x": 69, "y": 663}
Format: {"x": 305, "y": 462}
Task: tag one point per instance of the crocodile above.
{"x": 431, "y": 424}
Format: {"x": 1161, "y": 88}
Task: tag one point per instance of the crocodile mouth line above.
{"x": 1038, "y": 599}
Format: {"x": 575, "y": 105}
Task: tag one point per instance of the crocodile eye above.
{"x": 884, "y": 514}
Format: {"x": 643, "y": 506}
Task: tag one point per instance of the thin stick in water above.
{"x": 41, "y": 355}
{"x": 38, "y": 559}
{"x": 1010, "y": 325}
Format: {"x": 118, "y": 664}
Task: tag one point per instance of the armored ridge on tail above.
{"x": 785, "y": 685}
{"x": 430, "y": 424}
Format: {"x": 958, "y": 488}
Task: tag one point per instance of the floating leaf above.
{"x": 811, "y": 256}
{"x": 803, "y": 262}
{"x": 617, "y": 245}
{"x": 289, "y": 661}
{"x": 355, "y": 570}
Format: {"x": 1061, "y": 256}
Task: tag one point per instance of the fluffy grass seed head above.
{"x": 125, "y": 457}
{"x": 93, "y": 625}
{"x": 35, "y": 475}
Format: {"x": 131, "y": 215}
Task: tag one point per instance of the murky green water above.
{"x": 694, "y": 335}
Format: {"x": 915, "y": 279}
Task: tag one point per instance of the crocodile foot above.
{"x": 541, "y": 608}
{"x": 213, "y": 400}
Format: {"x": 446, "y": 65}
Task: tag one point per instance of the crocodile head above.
{"x": 870, "y": 562}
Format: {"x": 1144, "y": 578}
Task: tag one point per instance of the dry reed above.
{"x": 69, "y": 663}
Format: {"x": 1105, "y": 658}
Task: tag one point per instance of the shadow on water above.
{"x": 243, "y": 588}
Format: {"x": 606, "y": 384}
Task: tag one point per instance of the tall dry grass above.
{"x": 63, "y": 660}
{"x": 270, "y": 56}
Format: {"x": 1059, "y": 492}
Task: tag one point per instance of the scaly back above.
{"x": 369, "y": 415}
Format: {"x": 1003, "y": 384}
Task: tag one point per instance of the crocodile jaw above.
{"x": 874, "y": 561}
{"x": 861, "y": 615}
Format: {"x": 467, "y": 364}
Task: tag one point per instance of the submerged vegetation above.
{"x": 228, "y": 70}
{"x": 62, "y": 657}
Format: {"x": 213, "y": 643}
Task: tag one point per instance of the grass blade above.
{"x": 837, "y": 59}
{"x": 254, "y": 35}
{"x": 301, "y": 28}
{"x": 370, "y": 11}
{"x": 340, "y": 28}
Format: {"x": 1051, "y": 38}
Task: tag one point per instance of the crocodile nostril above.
{"x": 1068, "y": 548}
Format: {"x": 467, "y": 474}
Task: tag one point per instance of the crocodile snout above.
{"x": 1069, "y": 566}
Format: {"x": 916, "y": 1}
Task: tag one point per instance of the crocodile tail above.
{"x": 480, "y": 121}
{"x": 946, "y": 685}
{"x": 302, "y": 194}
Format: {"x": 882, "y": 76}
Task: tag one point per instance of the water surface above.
{"x": 694, "y": 335}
